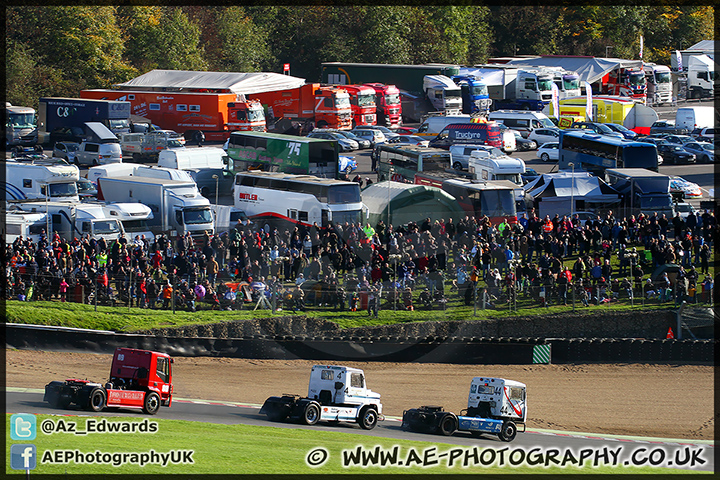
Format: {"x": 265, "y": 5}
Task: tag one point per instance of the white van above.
{"x": 521, "y": 120}
{"x": 190, "y": 158}
{"x": 461, "y": 154}
{"x": 434, "y": 125}
{"x": 694, "y": 117}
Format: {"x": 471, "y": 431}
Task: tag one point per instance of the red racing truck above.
{"x": 389, "y": 107}
{"x": 362, "y": 102}
{"x": 323, "y": 106}
{"x": 138, "y": 379}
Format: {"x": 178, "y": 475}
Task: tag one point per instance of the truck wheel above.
{"x": 322, "y": 124}
{"x": 545, "y": 157}
{"x": 137, "y": 158}
{"x": 368, "y": 418}
{"x": 457, "y": 166}
{"x": 96, "y": 401}
{"x": 152, "y": 403}
{"x": 311, "y": 415}
{"x": 447, "y": 426}
{"x": 508, "y": 432}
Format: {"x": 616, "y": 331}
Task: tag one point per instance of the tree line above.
{"x": 58, "y": 51}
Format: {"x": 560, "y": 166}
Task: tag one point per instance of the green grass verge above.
{"x": 122, "y": 319}
{"x": 242, "y": 449}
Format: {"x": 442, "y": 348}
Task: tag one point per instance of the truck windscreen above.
{"x": 106, "y": 227}
{"x": 194, "y": 216}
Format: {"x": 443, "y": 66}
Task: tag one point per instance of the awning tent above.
{"x": 589, "y": 69}
{"x": 408, "y": 203}
{"x": 556, "y": 192}
{"x": 230, "y": 82}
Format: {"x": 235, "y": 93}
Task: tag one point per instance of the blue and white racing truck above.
{"x": 495, "y": 405}
{"x": 335, "y": 394}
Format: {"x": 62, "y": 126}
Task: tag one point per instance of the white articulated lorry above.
{"x": 335, "y": 394}
{"x": 177, "y": 205}
{"x": 495, "y": 406}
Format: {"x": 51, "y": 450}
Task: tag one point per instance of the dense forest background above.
{"x": 58, "y": 51}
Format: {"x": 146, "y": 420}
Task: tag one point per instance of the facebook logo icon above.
{"x": 23, "y": 426}
{"x": 23, "y": 457}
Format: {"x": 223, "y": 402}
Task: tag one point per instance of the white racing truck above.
{"x": 495, "y": 406}
{"x": 335, "y": 394}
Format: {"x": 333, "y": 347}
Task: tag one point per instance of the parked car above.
{"x": 346, "y": 165}
{"x": 66, "y": 150}
{"x": 667, "y": 126}
{"x": 544, "y": 135}
{"x": 372, "y": 135}
{"x": 345, "y": 144}
{"x": 673, "y": 153}
{"x": 688, "y": 189}
{"x": 684, "y": 209}
{"x": 704, "y": 151}
{"x": 704, "y": 132}
{"x": 657, "y": 141}
{"x": 86, "y": 189}
{"x": 410, "y": 140}
{"x": 599, "y": 128}
{"x": 362, "y": 143}
{"x": 549, "y": 151}
{"x": 679, "y": 139}
{"x": 622, "y": 129}
{"x": 388, "y": 133}
{"x": 529, "y": 175}
{"x": 404, "y": 130}
{"x": 524, "y": 144}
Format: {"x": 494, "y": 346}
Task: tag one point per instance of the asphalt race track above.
{"x": 230, "y": 413}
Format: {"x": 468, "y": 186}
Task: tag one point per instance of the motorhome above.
{"x": 26, "y": 225}
{"x": 42, "y": 178}
{"x": 489, "y": 163}
{"x": 74, "y": 219}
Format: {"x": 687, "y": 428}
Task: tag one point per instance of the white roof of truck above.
{"x": 234, "y": 82}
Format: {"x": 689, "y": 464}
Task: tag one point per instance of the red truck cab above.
{"x": 362, "y": 102}
{"x": 389, "y": 108}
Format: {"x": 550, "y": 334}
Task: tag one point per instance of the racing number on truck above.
{"x": 293, "y": 148}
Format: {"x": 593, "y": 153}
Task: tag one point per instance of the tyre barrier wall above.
{"x": 623, "y": 350}
{"x": 429, "y": 349}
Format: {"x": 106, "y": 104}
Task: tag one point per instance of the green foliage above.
{"x": 61, "y": 50}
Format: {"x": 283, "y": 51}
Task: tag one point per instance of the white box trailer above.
{"x": 177, "y": 205}
{"x": 128, "y": 170}
{"x": 191, "y": 158}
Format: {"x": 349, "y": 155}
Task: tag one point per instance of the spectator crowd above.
{"x": 547, "y": 260}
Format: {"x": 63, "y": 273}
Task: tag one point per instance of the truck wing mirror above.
{"x": 339, "y": 385}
